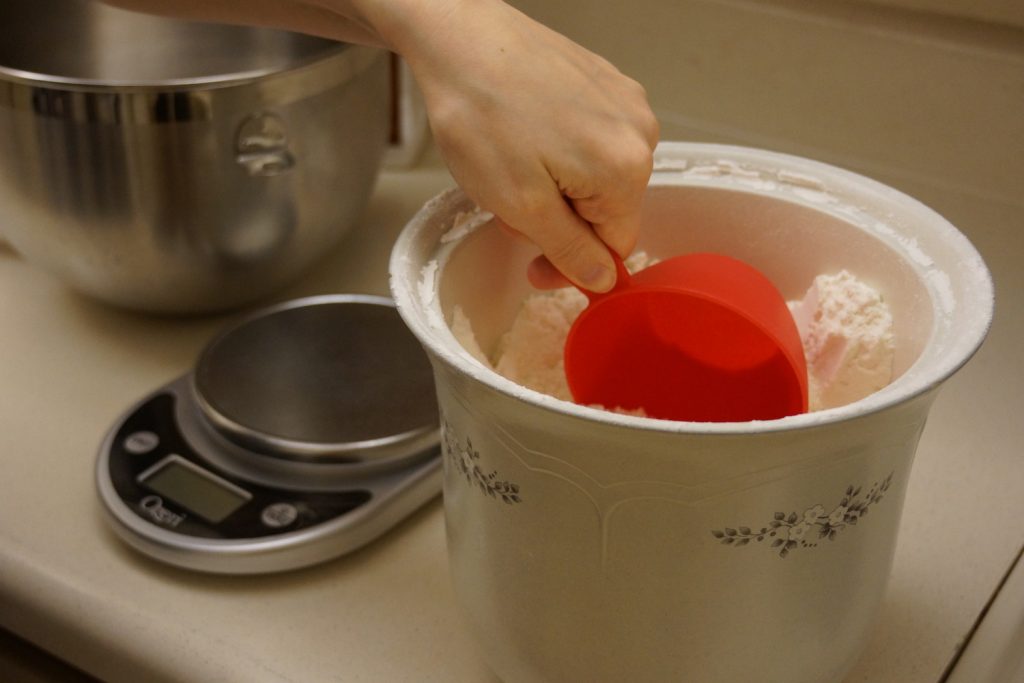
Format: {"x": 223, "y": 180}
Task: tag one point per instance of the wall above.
{"x": 997, "y": 11}
{"x": 918, "y": 98}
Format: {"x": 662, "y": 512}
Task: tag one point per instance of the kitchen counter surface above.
{"x": 70, "y": 366}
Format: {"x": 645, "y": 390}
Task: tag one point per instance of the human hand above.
{"x": 549, "y": 137}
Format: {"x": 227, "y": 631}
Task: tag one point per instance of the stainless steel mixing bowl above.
{"x": 176, "y": 166}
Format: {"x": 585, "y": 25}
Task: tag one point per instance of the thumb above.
{"x": 569, "y": 244}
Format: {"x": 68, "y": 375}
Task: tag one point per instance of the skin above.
{"x": 548, "y": 136}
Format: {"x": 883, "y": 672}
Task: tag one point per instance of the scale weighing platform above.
{"x": 304, "y": 432}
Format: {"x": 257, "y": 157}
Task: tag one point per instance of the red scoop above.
{"x": 698, "y": 337}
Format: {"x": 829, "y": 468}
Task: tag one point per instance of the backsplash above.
{"x": 928, "y": 102}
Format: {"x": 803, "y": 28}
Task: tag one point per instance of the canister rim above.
{"x": 675, "y": 165}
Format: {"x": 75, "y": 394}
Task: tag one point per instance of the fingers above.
{"x": 571, "y": 246}
{"x": 539, "y": 272}
{"x": 608, "y": 183}
{"x": 594, "y": 205}
{"x": 614, "y": 205}
{"x": 613, "y": 216}
{"x": 543, "y": 275}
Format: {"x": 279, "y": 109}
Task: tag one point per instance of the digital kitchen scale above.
{"x": 304, "y": 432}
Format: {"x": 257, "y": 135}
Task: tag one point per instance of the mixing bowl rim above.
{"x": 335, "y": 51}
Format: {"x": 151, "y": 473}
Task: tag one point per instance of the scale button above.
{"x": 279, "y": 515}
{"x": 139, "y": 443}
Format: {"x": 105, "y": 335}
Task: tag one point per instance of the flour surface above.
{"x": 844, "y": 324}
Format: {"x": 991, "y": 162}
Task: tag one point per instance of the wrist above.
{"x": 413, "y": 28}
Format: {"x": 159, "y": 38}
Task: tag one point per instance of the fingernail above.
{"x": 600, "y": 278}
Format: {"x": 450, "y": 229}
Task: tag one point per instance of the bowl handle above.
{"x": 262, "y": 146}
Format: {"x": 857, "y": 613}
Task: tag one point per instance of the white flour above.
{"x": 846, "y": 330}
{"x": 845, "y": 326}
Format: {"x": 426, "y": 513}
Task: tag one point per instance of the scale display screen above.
{"x": 192, "y": 487}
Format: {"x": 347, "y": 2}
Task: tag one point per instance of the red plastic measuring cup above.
{"x": 701, "y": 337}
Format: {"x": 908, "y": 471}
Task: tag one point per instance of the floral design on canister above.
{"x": 816, "y": 523}
{"x": 465, "y": 459}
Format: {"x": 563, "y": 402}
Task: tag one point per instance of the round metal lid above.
{"x": 323, "y": 379}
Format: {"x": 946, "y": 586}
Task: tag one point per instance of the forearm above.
{"x": 334, "y": 19}
{"x": 394, "y": 24}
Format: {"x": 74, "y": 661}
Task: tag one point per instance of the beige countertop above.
{"x": 70, "y": 366}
